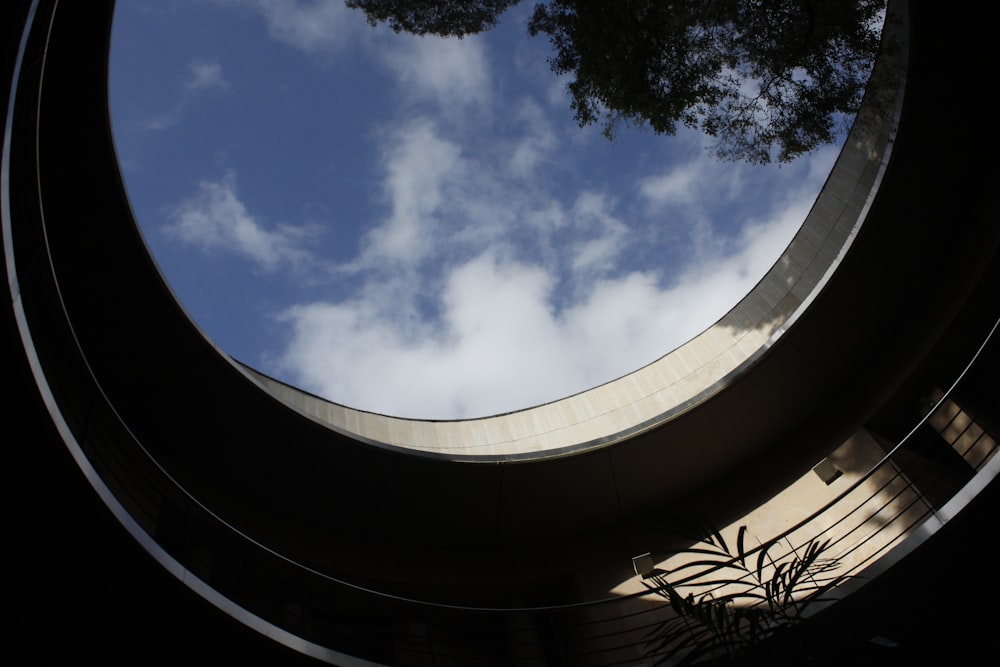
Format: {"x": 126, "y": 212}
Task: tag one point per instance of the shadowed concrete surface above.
{"x": 84, "y": 589}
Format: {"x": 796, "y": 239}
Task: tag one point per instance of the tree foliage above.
{"x": 447, "y": 18}
{"x": 767, "y": 79}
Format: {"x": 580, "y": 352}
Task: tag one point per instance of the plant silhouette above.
{"x": 726, "y": 602}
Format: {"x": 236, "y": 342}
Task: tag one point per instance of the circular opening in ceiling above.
{"x": 417, "y": 226}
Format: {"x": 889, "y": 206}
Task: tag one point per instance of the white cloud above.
{"x": 203, "y": 76}
{"x": 450, "y": 73}
{"x": 465, "y": 366}
{"x": 448, "y": 197}
{"x": 703, "y": 179}
{"x": 597, "y": 251}
{"x": 502, "y": 342}
{"x": 312, "y": 26}
{"x": 216, "y": 219}
{"x": 679, "y": 185}
{"x": 536, "y": 144}
{"x": 417, "y": 165}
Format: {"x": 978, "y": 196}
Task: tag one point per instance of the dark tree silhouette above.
{"x": 447, "y": 18}
{"x": 767, "y": 79}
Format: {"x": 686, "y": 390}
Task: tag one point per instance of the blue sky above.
{"x": 416, "y": 226}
